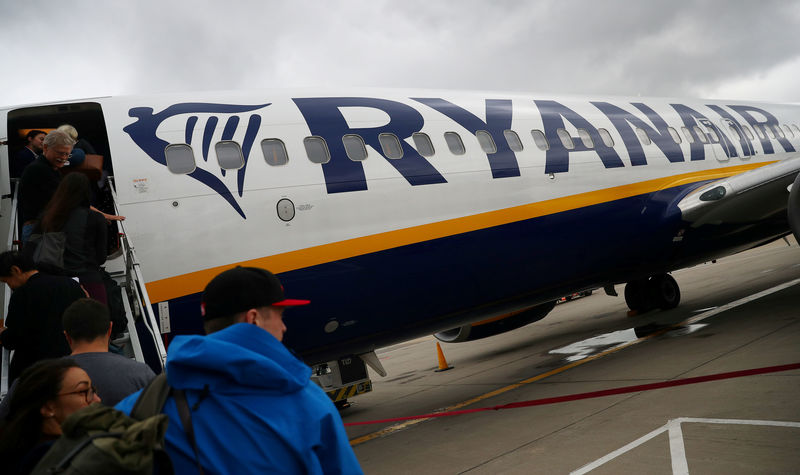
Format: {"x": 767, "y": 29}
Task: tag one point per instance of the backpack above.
{"x": 49, "y": 249}
{"x": 101, "y": 440}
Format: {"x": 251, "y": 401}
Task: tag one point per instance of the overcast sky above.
{"x": 721, "y": 49}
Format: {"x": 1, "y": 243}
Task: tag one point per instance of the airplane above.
{"x": 404, "y": 213}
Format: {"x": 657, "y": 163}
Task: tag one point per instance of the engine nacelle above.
{"x": 793, "y": 208}
{"x": 495, "y": 326}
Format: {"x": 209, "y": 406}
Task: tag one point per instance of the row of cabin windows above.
{"x": 180, "y": 157}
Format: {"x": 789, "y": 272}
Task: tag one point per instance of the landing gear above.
{"x": 659, "y": 291}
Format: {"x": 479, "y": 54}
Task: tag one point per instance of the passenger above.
{"x": 86, "y": 231}
{"x": 33, "y": 321}
{"x": 41, "y": 178}
{"x": 82, "y": 146}
{"x": 246, "y": 389}
{"x": 87, "y": 326}
{"x": 28, "y": 153}
{"x": 47, "y": 393}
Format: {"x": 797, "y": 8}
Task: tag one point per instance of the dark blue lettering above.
{"x": 249, "y": 137}
{"x": 557, "y": 157}
{"x": 747, "y": 147}
{"x": 770, "y": 120}
{"x": 208, "y": 134}
{"x": 624, "y": 122}
{"x": 342, "y": 174}
{"x": 498, "y": 119}
{"x": 189, "y": 132}
{"x": 691, "y": 118}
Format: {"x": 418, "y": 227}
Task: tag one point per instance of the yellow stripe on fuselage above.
{"x": 193, "y": 282}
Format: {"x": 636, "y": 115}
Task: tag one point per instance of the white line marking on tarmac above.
{"x": 677, "y": 450}
{"x": 703, "y": 309}
{"x": 742, "y": 301}
{"x": 697, "y": 318}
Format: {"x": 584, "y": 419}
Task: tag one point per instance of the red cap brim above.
{"x": 291, "y": 303}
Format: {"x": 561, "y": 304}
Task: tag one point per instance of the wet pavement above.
{"x": 740, "y": 313}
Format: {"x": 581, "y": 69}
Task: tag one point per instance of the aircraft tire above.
{"x": 664, "y": 291}
{"x": 637, "y": 296}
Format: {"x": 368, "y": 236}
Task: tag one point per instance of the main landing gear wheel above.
{"x": 659, "y": 291}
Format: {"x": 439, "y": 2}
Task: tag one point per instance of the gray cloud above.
{"x": 90, "y": 47}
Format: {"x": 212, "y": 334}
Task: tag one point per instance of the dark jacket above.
{"x": 33, "y": 324}
{"x": 86, "y": 246}
{"x": 37, "y": 185}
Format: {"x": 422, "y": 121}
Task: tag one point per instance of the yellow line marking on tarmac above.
{"x": 539, "y": 377}
{"x": 497, "y": 392}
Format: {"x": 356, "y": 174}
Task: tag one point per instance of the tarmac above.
{"x": 740, "y": 313}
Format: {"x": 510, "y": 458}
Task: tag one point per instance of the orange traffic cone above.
{"x": 443, "y": 366}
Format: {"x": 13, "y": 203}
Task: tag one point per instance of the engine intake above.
{"x": 495, "y": 326}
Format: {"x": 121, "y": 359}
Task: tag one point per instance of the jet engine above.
{"x": 496, "y": 325}
{"x": 794, "y": 208}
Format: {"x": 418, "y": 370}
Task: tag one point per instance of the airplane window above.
{"x": 423, "y": 144}
{"x": 391, "y": 146}
{"x": 643, "y": 136}
{"x": 274, "y": 152}
{"x": 486, "y": 141}
{"x": 674, "y": 134}
{"x": 688, "y": 134}
{"x": 354, "y": 147}
{"x": 317, "y": 149}
{"x": 759, "y": 132}
{"x": 566, "y": 139}
{"x": 700, "y": 134}
{"x": 747, "y": 132}
{"x": 513, "y": 140}
{"x": 586, "y": 138}
{"x": 778, "y": 131}
{"x": 540, "y": 140}
{"x": 180, "y": 158}
{"x": 607, "y": 139}
{"x": 769, "y": 131}
{"x": 454, "y": 143}
{"x": 796, "y": 128}
{"x": 789, "y": 132}
{"x": 229, "y": 155}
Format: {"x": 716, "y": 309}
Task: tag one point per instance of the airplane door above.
{"x": 5, "y": 180}
{"x": 712, "y": 133}
{"x": 742, "y": 145}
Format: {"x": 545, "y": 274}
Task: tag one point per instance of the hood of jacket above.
{"x": 236, "y": 359}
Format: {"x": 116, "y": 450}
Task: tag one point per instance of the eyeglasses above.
{"x": 88, "y": 393}
{"x": 62, "y": 154}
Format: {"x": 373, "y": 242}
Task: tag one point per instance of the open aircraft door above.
{"x": 5, "y": 183}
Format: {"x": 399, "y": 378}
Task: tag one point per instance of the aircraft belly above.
{"x": 379, "y": 298}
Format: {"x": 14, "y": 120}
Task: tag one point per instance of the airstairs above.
{"x": 142, "y": 335}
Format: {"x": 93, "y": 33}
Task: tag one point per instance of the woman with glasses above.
{"x": 46, "y": 394}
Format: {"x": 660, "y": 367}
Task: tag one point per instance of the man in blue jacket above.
{"x": 254, "y": 408}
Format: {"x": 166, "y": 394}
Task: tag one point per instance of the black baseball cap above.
{"x": 240, "y": 289}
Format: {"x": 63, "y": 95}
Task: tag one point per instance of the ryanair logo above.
{"x": 234, "y": 121}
